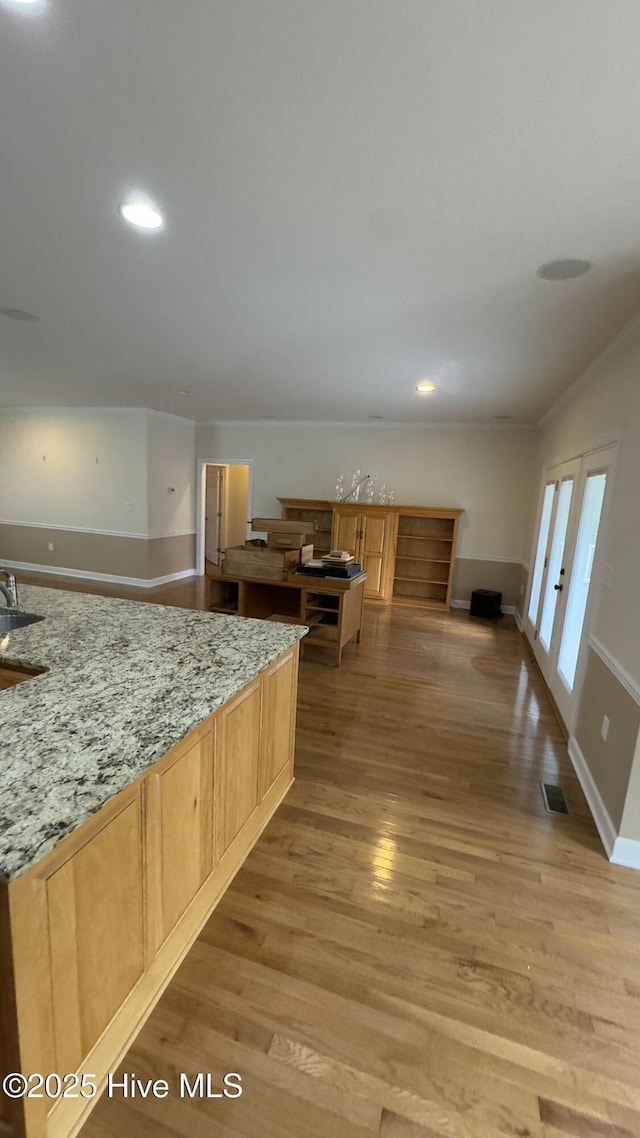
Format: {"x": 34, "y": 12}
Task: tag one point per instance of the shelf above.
{"x": 420, "y": 602}
{"x": 412, "y": 557}
{"x": 322, "y": 608}
{"x": 422, "y": 537}
{"x": 421, "y": 581}
{"x": 323, "y": 633}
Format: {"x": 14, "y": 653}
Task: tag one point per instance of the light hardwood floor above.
{"x": 414, "y": 949}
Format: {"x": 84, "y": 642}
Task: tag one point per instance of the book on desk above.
{"x": 321, "y": 567}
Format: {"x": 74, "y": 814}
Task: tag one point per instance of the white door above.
{"x": 586, "y": 567}
{"x": 564, "y": 563}
{"x": 214, "y": 499}
{"x": 549, "y": 567}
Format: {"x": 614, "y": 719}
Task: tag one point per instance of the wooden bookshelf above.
{"x": 425, "y": 555}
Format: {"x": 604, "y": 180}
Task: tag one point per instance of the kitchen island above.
{"x": 137, "y": 772}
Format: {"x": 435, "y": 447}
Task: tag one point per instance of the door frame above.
{"x": 568, "y": 702}
{"x": 201, "y": 500}
{"x": 546, "y": 657}
{"x": 606, "y": 441}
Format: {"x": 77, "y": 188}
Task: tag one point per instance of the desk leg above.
{"x": 242, "y": 598}
{"x": 361, "y": 617}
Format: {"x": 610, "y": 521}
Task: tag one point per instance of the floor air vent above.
{"x": 553, "y": 798}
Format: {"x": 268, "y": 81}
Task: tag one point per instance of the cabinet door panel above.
{"x": 237, "y": 762}
{"x": 186, "y": 812}
{"x": 346, "y": 532}
{"x": 96, "y": 933}
{"x": 376, "y": 554}
{"x": 278, "y": 720}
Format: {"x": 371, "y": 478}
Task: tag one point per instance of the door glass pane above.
{"x": 538, "y": 565}
{"x": 555, "y": 562}
{"x": 581, "y": 576}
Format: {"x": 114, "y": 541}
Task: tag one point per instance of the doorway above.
{"x": 566, "y": 562}
{"x": 225, "y": 495}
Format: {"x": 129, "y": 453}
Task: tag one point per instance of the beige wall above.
{"x": 610, "y": 762}
{"x": 607, "y": 406}
{"x": 171, "y": 463}
{"x": 507, "y": 577}
{"x": 491, "y": 473}
{"x": 132, "y": 558}
{"x": 236, "y": 505}
{"x": 76, "y": 468}
{"x": 94, "y": 484}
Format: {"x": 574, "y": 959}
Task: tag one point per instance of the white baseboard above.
{"x": 181, "y": 576}
{"x": 508, "y": 610}
{"x": 626, "y": 851}
{"x": 107, "y": 578}
{"x": 599, "y": 812}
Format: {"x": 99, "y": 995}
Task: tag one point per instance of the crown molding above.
{"x": 369, "y": 424}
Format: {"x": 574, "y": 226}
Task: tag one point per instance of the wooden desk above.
{"x": 330, "y": 607}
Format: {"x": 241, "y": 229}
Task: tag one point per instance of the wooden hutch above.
{"x": 407, "y": 552}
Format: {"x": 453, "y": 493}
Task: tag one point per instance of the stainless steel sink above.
{"x": 13, "y": 619}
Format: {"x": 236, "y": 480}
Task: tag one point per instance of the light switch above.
{"x": 604, "y": 730}
{"x": 607, "y": 576}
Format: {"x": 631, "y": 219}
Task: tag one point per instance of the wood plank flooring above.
{"x": 415, "y": 948}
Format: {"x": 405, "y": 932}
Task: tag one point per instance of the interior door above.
{"x": 214, "y": 499}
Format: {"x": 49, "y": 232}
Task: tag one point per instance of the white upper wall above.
{"x": 78, "y": 468}
{"x": 171, "y": 475}
{"x": 491, "y": 473}
{"x": 610, "y": 405}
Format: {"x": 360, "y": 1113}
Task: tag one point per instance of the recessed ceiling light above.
{"x": 425, "y": 387}
{"x": 141, "y": 215}
{"x": 18, "y": 314}
{"x": 564, "y": 269}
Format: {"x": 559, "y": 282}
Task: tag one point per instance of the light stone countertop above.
{"x": 125, "y": 682}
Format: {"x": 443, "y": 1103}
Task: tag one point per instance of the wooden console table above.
{"x": 332, "y": 608}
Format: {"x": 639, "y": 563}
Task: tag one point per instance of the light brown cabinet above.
{"x": 96, "y": 933}
{"x": 180, "y": 831}
{"x": 408, "y": 552}
{"x": 237, "y": 761}
{"x": 369, "y": 535}
{"x": 91, "y": 935}
{"x": 278, "y": 721}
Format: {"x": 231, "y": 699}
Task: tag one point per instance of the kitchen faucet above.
{"x": 10, "y": 589}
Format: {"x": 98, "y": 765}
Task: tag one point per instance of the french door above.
{"x": 565, "y": 561}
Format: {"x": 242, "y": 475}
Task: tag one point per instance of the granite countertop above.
{"x": 125, "y": 681}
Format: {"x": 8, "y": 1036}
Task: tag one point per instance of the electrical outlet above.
{"x": 50, "y": 547}
{"x": 604, "y": 730}
{"x": 607, "y": 576}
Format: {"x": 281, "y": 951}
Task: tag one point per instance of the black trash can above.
{"x": 486, "y": 603}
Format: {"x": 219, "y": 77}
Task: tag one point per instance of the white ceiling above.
{"x": 358, "y": 194}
